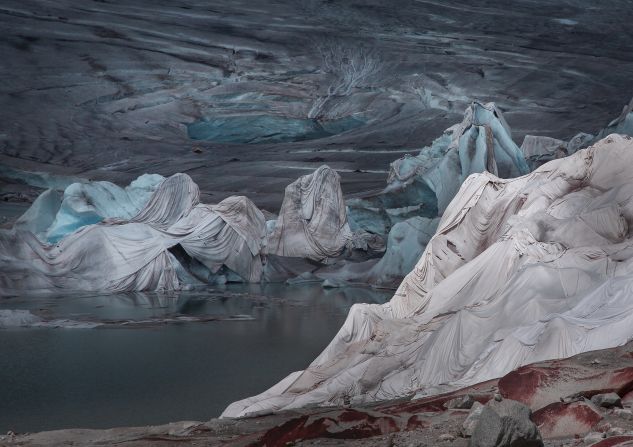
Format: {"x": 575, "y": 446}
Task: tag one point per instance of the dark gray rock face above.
{"x": 505, "y": 423}
{"x": 464, "y": 402}
{"x": 469, "y": 425}
{"x": 607, "y": 400}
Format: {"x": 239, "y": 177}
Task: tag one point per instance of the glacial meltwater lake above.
{"x": 90, "y": 360}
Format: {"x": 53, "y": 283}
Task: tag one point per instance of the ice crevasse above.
{"x": 520, "y": 270}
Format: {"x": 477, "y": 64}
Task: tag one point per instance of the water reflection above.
{"x": 137, "y": 374}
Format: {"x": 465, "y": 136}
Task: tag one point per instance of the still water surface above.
{"x": 157, "y": 358}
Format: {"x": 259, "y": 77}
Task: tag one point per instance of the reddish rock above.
{"x": 541, "y": 384}
{"x": 342, "y": 424}
{"x": 619, "y": 441}
{"x": 566, "y": 419}
{"x": 627, "y": 399}
{"x": 481, "y": 393}
{"x": 416, "y": 422}
{"x": 622, "y": 381}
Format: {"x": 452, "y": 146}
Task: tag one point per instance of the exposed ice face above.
{"x": 520, "y": 270}
{"x": 53, "y": 216}
{"x": 41, "y": 214}
{"x": 622, "y": 124}
{"x": 406, "y": 243}
{"x": 259, "y": 129}
{"x": 424, "y": 184}
{"x": 579, "y": 141}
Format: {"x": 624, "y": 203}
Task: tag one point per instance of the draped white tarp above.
{"x": 116, "y": 239}
{"x": 519, "y": 270}
{"x": 312, "y": 222}
{"x": 133, "y": 254}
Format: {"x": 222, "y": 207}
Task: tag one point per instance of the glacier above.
{"x": 317, "y": 235}
{"x": 374, "y": 238}
{"x": 504, "y": 266}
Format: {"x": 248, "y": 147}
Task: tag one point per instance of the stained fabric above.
{"x": 520, "y": 270}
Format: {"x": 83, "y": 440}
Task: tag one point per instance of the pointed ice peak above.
{"x": 484, "y": 141}
{"x": 495, "y": 151}
{"x": 623, "y": 124}
{"x": 481, "y": 142}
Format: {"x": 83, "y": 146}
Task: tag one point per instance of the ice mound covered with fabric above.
{"x": 520, "y": 270}
{"x": 312, "y": 222}
{"x": 121, "y": 254}
{"x": 156, "y": 235}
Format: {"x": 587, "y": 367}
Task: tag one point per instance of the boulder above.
{"x": 624, "y": 414}
{"x": 464, "y": 402}
{"x": 505, "y": 423}
{"x": 468, "y": 427}
{"x": 607, "y": 400}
